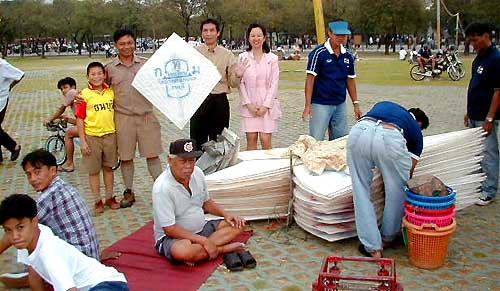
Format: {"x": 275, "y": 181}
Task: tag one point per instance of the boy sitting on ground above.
{"x": 68, "y": 89}
{"x": 96, "y": 128}
{"x": 57, "y": 262}
{"x": 60, "y": 207}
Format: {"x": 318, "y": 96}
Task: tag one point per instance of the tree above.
{"x": 186, "y": 10}
{"x": 7, "y": 26}
{"x": 389, "y": 17}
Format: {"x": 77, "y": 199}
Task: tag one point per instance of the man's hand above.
{"x": 488, "y": 127}
{"x": 235, "y": 221}
{"x": 46, "y": 122}
{"x": 78, "y": 98}
{"x": 307, "y": 114}
{"x": 240, "y": 67}
{"x": 466, "y": 120}
{"x": 261, "y": 111}
{"x": 211, "y": 249}
{"x": 85, "y": 148}
{"x": 253, "y": 109}
{"x": 357, "y": 112}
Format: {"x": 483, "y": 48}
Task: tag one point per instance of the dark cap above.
{"x": 185, "y": 148}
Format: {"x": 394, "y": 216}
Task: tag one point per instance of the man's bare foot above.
{"x": 110, "y": 255}
{"x": 232, "y": 247}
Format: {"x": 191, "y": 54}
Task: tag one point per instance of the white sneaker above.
{"x": 428, "y": 73}
{"x": 484, "y": 200}
{"x": 15, "y": 280}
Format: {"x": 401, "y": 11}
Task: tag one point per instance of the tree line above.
{"x": 90, "y": 20}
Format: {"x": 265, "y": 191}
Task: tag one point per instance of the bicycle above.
{"x": 55, "y": 143}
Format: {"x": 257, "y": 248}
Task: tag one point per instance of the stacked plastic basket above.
{"x": 429, "y": 223}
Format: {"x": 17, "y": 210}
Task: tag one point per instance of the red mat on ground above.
{"x": 146, "y": 270}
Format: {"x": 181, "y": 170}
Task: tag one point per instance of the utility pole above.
{"x": 319, "y": 20}
{"x": 438, "y": 7}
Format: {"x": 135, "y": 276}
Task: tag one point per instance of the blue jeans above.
{"x": 371, "y": 145}
{"x": 328, "y": 116}
{"x": 110, "y": 286}
{"x": 490, "y": 161}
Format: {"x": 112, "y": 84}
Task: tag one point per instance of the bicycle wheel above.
{"x": 55, "y": 145}
{"x": 415, "y": 73}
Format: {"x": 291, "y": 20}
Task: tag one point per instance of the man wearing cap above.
{"x": 180, "y": 198}
{"x": 330, "y": 72}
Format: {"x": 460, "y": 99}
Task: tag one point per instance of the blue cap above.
{"x": 339, "y": 27}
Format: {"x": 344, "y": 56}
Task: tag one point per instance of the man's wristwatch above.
{"x": 489, "y": 119}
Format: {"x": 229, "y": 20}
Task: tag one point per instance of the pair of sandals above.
{"x": 238, "y": 261}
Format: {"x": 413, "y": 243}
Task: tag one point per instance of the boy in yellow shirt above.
{"x": 96, "y": 128}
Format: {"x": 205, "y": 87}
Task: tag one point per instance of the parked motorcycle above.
{"x": 446, "y": 62}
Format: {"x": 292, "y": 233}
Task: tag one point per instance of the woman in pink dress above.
{"x": 259, "y": 105}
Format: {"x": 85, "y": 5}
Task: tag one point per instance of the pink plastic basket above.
{"x": 440, "y": 221}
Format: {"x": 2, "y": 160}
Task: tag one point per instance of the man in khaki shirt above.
{"x": 135, "y": 122}
{"x": 213, "y": 114}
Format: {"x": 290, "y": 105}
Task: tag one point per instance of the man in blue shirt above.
{"x": 330, "y": 72}
{"x": 483, "y": 101}
{"x": 388, "y": 137}
{"x": 424, "y": 57}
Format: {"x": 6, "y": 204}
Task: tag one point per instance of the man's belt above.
{"x": 388, "y": 125}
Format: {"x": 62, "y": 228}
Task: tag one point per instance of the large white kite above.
{"x": 176, "y": 80}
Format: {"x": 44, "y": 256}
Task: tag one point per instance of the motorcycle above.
{"x": 446, "y": 62}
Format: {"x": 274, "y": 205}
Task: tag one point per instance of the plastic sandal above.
{"x": 233, "y": 262}
{"x": 247, "y": 259}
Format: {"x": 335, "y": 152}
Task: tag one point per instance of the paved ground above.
{"x": 288, "y": 258}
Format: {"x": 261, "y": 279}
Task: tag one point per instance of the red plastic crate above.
{"x": 377, "y": 274}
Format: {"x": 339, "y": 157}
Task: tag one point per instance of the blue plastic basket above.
{"x": 431, "y": 199}
{"x": 431, "y": 205}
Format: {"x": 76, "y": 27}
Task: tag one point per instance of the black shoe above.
{"x": 364, "y": 252}
{"x": 15, "y": 154}
{"x": 128, "y": 199}
{"x": 395, "y": 243}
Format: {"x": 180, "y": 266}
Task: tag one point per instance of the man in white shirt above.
{"x": 180, "y": 198}
{"x": 402, "y": 54}
{"x": 57, "y": 262}
{"x": 9, "y": 77}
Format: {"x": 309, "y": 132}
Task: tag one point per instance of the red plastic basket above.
{"x": 429, "y": 212}
{"x": 424, "y": 219}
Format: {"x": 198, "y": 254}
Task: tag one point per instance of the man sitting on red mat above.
{"x": 180, "y": 199}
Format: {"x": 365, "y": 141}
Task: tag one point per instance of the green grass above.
{"x": 371, "y": 69}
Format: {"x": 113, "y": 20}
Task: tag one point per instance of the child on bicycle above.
{"x": 68, "y": 89}
{"x": 96, "y": 128}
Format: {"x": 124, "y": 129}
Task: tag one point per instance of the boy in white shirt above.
{"x": 57, "y": 262}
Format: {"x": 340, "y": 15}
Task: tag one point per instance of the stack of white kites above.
{"x": 322, "y": 205}
{"x": 258, "y": 187}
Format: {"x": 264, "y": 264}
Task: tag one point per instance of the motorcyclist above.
{"x": 424, "y": 57}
